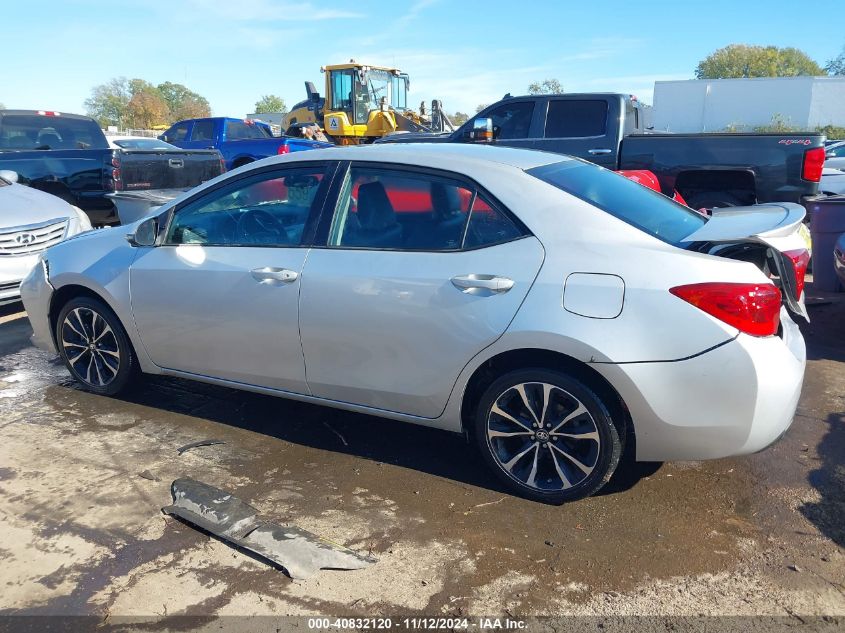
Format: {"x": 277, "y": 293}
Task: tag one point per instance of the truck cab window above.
{"x": 571, "y": 118}
{"x": 511, "y": 120}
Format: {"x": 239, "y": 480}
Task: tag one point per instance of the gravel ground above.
{"x": 83, "y": 532}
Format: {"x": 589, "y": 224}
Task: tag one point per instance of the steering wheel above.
{"x": 257, "y": 226}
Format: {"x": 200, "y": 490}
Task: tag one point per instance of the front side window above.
{"x": 633, "y": 203}
{"x": 511, "y": 120}
{"x": 177, "y": 133}
{"x": 400, "y": 210}
{"x": 203, "y": 131}
{"x": 270, "y": 209}
{"x": 570, "y": 118}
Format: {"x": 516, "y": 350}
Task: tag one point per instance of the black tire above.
{"x": 547, "y": 470}
{"x": 241, "y": 162}
{"x": 108, "y": 366}
{"x": 713, "y": 200}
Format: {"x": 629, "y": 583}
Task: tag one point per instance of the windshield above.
{"x": 142, "y": 143}
{"x": 635, "y": 204}
{"x": 34, "y": 131}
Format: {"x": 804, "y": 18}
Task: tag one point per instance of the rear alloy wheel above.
{"x": 547, "y": 435}
{"x": 94, "y": 346}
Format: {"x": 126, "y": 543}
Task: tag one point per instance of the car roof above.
{"x": 449, "y": 156}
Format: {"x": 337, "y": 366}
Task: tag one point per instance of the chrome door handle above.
{"x": 270, "y": 275}
{"x": 597, "y": 152}
{"x": 483, "y": 285}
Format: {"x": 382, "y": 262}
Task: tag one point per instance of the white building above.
{"x": 715, "y": 105}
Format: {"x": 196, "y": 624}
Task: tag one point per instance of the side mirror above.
{"x": 828, "y": 155}
{"x": 481, "y": 131}
{"x": 145, "y": 234}
{"x": 8, "y": 174}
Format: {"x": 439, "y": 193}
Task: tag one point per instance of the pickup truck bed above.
{"x": 68, "y": 156}
{"x": 241, "y": 141}
{"x": 708, "y": 169}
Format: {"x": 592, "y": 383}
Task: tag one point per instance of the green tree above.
{"x": 459, "y": 118}
{"x": 545, "y": 87}
{"x": 270, "y": 103}
{"x": 108, "y": 102}
{"x": 480, "y": 107}
{"x": 836, "y": 66}
{"x": 739, "y": 60}
{"x": 183, "y": 103}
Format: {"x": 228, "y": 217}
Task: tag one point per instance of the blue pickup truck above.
{"x": 241, "y": 141}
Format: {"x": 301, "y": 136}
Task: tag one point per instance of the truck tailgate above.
{"x": 162, "y": 169}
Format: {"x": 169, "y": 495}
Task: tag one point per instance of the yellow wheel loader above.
{"x": 362, "y": 103}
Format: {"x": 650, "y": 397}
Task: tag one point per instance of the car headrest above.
{"x": 374, "y": 209}
{"x": 444, "y": 200}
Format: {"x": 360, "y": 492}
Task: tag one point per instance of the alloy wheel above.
{"x": 543, "y": 436}
{"x": 90, "y": 346}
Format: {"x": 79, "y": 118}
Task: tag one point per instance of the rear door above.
{"x": 418, "y": 272}
{"x": 583, "y": 127}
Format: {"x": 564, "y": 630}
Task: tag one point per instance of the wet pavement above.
{"x": 83, "y": 532}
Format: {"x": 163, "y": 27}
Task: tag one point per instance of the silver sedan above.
{"x": 555, "y": 312}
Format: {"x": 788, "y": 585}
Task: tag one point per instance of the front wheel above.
{"x": 94, "y": 346}
{"x": 547, "y": 435}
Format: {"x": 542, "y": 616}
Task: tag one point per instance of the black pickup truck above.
{"x": 709, "y": 170}
{"x": 68, "y": 155}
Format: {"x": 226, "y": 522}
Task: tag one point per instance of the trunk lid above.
{"x": 763, "y": 234}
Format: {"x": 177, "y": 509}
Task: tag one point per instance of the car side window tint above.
{"x": 574, "y": 118}
{"x": 270, "y": 209}
{"x": 239, "y": 130}
{"x": 203, "y": 131}
{"x": 177, "y": 133}
{"x": 489, "y": 226}
{"x": 398, "y": 210}
{"x": 512, "y": 120}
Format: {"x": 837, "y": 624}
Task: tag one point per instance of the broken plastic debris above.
{"x": 299, "y": 552}
{"x": 188, "y": 447}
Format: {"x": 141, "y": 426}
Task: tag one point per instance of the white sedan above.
{"x": 832, "y": 182}
{"x": 30, "y": 221}
{"x": 552, "y": 310}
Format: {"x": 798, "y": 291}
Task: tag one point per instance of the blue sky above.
{"x": 465, "y": 53}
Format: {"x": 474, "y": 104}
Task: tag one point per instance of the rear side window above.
{"x": 388, "y": 209}
{"x": 635, "y": 204}
{"x": 238, "y": 130}
{"x": 34, "y": 131}
{"x": 203, "y": 131}
{"x": 576, "y": 118}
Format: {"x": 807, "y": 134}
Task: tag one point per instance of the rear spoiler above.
{"x": 762, "y": 221}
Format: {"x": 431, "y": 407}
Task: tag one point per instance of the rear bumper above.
{"x": 733, "y": 400}
{"x": 37, "y": 293}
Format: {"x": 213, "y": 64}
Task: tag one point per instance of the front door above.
{"x": 419, "y": 273}
{"x": 219, "y": 296}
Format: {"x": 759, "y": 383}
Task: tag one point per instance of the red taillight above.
{"x": 283, "y": 149}
{"x": 49, "y": 113}
{"x": 800, "y": 260}
{"x": 813, "y": 164}
{"x": 751, "y": 308}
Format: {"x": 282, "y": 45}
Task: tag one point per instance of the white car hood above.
{"x": 22, "y": 206}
